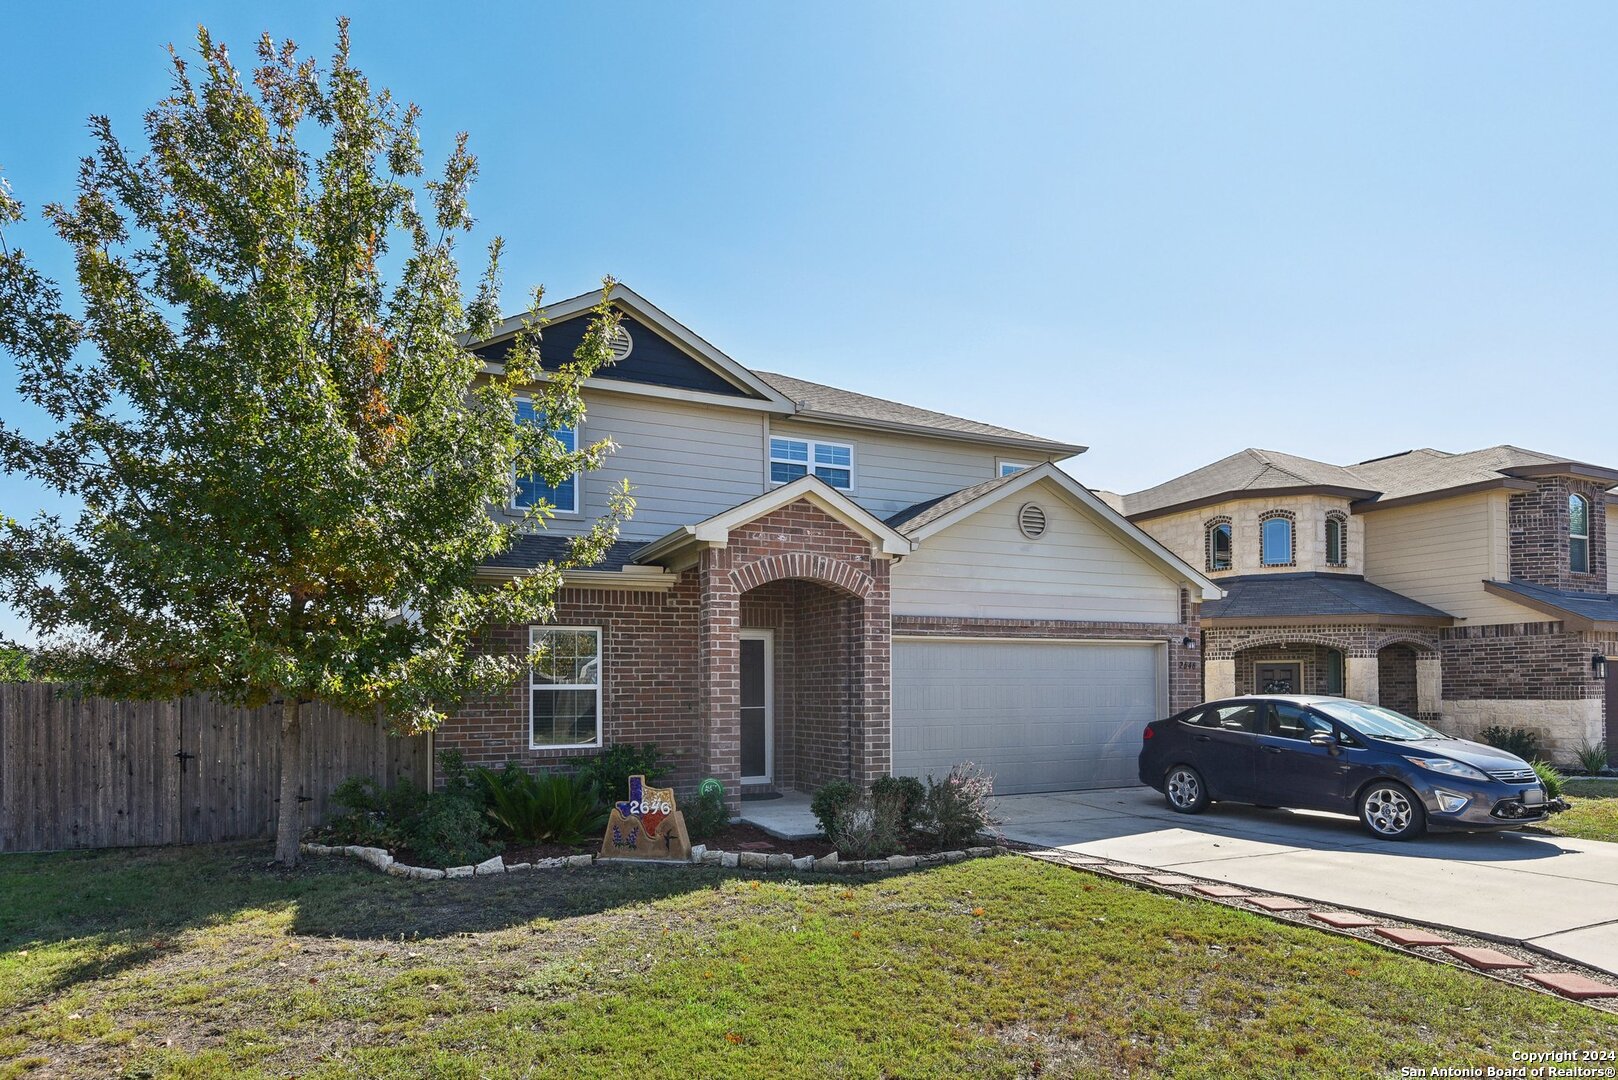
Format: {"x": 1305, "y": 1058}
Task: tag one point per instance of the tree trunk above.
{"x": 289, "y": 814}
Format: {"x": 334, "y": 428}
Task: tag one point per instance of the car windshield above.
{"x": 1378, "y": 722}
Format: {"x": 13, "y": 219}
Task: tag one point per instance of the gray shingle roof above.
{"x": 912, "y": 518}
{"x": 1275, "y": 596}
{"x": 1414, "y": 472}
{"x": 535, "y": 549}
{"x": 1417, "y": 472}
{"x": 816, "y": 397}
{"x": 1593, "y": 606}
{"x": 1244, "y": 471}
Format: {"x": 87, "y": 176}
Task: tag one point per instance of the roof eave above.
{"x": 1579, "y": 469}
{"x": 1030, "y": 445}
{"x": 1572, "y": 620}
{"x": 1504, "y": 483}
{"x": 1362, "y": 619}
{"x": 1239, "y": 494}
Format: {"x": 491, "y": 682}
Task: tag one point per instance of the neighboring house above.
{"x": 1471, "y": 589}
{"x": 817, "y": 584}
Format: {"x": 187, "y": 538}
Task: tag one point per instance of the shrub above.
{"x": 706, "y": 814}
{"x": 448, "y": 831}
{"x": 910, "y": 792}
{"x": 438, "y": 828}
{"x": 612, "y": 768}
{"x": 1550, "y": 778}
{"x": 830, "y": 801}
{"x": 458, "y": 779}
{"x": 869, "y": 827}
{"x": 1592, "y": 759}
{"x": 956, "y": 809}
{"x": 1520, "y": 741}
{"x": 556, "y": 808}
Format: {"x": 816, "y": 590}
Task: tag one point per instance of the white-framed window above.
{"x": 564, "y": 688}
{"x": 1578, "y": 534}
{"x": 1006, "y": 468}
{"x": 528, "y": 490}
{"x": 791, "y": 459}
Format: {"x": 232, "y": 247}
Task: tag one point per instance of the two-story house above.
{"x": 818, "y": 584}
{"x": 1472, "y": 589}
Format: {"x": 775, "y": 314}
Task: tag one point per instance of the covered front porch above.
{"x": 1399, "y": 667}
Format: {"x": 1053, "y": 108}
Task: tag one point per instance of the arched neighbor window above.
{"x": 1336, "y": 539}
{"x": 1276, "y": 539}
{"x": 1578, "y": 534}
{"x": 1219, "y": 550}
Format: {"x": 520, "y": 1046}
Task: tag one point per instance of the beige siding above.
{"x": 685, "y": 462}
{"x": 1441, "y": 553}
{"x": 1184, "y": 534}
{"x": 892, "y": 472}
{"x": 983, "y": 567}
{"x": 1612, "y": 546}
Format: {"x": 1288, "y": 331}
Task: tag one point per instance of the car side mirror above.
{"x": 1323, "y": 738}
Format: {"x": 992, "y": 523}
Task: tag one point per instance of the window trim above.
{"x": 1292, "y": 532}
{"x": 1340, "y": 519}
{"x": 578, "y": 476}
{"x": 1572, "y": 537}
{"x": 543, "y": 628}
{"x": 1004, "y": 467}
{"x": 1208, "y": 528}
{"x": 812, "y": 444}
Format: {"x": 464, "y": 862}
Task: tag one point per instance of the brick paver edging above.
{"x": 700, "y": 856}
{"x": 1580, "y": 987}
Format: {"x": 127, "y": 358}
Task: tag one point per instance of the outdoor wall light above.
{"x": 1188, "y": 643}
{"x": 1598, "y": 665}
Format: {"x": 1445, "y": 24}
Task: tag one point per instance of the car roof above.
{"x": 1296, "y": 699}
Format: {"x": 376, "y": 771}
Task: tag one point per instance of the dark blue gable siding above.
{"x": 654, "y": 359}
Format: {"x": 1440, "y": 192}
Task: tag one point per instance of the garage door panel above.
{"x": 1039, "y": 716}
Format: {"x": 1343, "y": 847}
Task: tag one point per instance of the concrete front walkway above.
{"x": 1553, "y": 893}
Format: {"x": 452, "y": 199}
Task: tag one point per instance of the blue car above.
{"x": 1398, "y": 775}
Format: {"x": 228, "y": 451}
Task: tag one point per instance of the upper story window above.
{"x": 1336, "y": 539}
{"x": 1218, "y": 544}
{"x": 1578, "y": 532}
{"x": 1276, "y": 540}
{"x": 531, "y": 489}
{"x": 791, "y": 459}
{"x": 1008, "y": 467}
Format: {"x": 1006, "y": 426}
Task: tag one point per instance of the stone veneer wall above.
{"x": 1539, "y": 537}
{"x": 1529, "y": 675}
{"x": 1184, "y": 534}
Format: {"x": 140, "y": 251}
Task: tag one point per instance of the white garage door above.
{"x": 1039, "y": 716}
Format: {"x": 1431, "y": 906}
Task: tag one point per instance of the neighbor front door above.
{"x": 758, "y": 707}
{"x": 1278, "y": 679}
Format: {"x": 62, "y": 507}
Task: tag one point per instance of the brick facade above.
{"x": 1521, "y": 661}
{"x": 1396, "y": 679}
{"x": 1226, "y": 642}
{"x": 1539, "y": 535}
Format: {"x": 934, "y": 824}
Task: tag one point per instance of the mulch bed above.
{"x": 736, "y": 837}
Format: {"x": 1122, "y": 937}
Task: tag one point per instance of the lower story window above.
{"x": 564, "y": 688}
{"x": 1334, "y": 672}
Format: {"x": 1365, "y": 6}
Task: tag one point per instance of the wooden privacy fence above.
{"x": 86, "y": 772}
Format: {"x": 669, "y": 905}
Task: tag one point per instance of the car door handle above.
{"x": 1271, "y": 749}
{"x": 1203, "y": 738}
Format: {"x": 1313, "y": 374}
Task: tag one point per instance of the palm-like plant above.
{"x": 556, "y": 808}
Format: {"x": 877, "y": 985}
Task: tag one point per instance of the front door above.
{"x": 758, "y": 707}
{"x": 1278, "y": 679}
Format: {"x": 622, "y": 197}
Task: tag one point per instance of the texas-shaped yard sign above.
{"x": 646, "y": 826}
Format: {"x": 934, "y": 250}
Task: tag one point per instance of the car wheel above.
{"x": 1185, "y": 791}
{"x": 1391, "y": 811}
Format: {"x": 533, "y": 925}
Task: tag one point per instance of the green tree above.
{"x": 284, "y": 455}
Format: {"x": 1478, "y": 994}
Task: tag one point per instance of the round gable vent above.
{"x": 1031, "y": 520}
{"x": 621, "y": 344}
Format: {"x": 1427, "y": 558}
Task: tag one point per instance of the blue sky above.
{"x": 1164, "y": 231}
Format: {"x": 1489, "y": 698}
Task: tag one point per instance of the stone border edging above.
{"x": 380, "y": 859}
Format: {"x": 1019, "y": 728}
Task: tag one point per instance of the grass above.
{"x": 202, "y": 963}
{"x": 1592, "y": 812}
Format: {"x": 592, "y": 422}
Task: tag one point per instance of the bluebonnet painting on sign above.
{"x": 646, "y": 826}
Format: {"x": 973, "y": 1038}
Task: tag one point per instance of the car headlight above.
{"x": 1448, "y": 767}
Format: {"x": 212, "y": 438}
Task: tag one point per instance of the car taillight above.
{"x": 1146, "y": 733}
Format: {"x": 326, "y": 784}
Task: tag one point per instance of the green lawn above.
{"x": 201, "y": 963}
{"x": 1594, "y": 810}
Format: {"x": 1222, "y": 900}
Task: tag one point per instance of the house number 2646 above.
{"x": 638, "y": 807}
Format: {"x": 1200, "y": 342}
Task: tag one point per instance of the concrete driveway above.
{"x": 1553, "y": 893}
